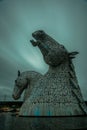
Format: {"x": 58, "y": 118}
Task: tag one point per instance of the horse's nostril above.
{"x": 15, "y": 97}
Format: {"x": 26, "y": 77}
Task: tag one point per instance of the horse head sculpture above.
{"x": 20, "y": 84}
{"x": 56, "y": 93}
{"x": 25, "y": 81}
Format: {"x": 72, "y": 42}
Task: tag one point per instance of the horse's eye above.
{"x": 41, "y": 32}
{"x": 15, "y": 81}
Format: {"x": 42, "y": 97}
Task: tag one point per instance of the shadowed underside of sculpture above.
{"x": 56, "y": 93}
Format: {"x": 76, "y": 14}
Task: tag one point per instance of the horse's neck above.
{"x": 27, "y": 92}
{"x": 27, "y": 75}
{"x": 59, "y": 69}
{"x": 67, "y": 68}
{"x": 31, "y": 75}
{"x": 32, "y": 78}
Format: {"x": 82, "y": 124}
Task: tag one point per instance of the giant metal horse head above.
{"x": 53, "y": 52}
{"x": 20, "y": 84}
{"x": 25, "y": 81}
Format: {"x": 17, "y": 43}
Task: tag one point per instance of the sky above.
{"x": 64, "y": 20}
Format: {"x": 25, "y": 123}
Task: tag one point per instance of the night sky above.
{"x": 64, "y": 20}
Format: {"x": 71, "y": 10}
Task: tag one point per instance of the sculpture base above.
{"x": 50, "y": 109}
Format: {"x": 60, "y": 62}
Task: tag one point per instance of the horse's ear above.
{"x": 19, "y": 73}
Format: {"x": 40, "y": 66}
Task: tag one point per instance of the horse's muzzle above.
{"x": 15, "y": 97}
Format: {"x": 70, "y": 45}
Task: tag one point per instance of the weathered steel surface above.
{"x": 56, "y": 93}
{"x": 25, "y": 82}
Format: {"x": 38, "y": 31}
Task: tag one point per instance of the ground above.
{"x": 8, "y": 121}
